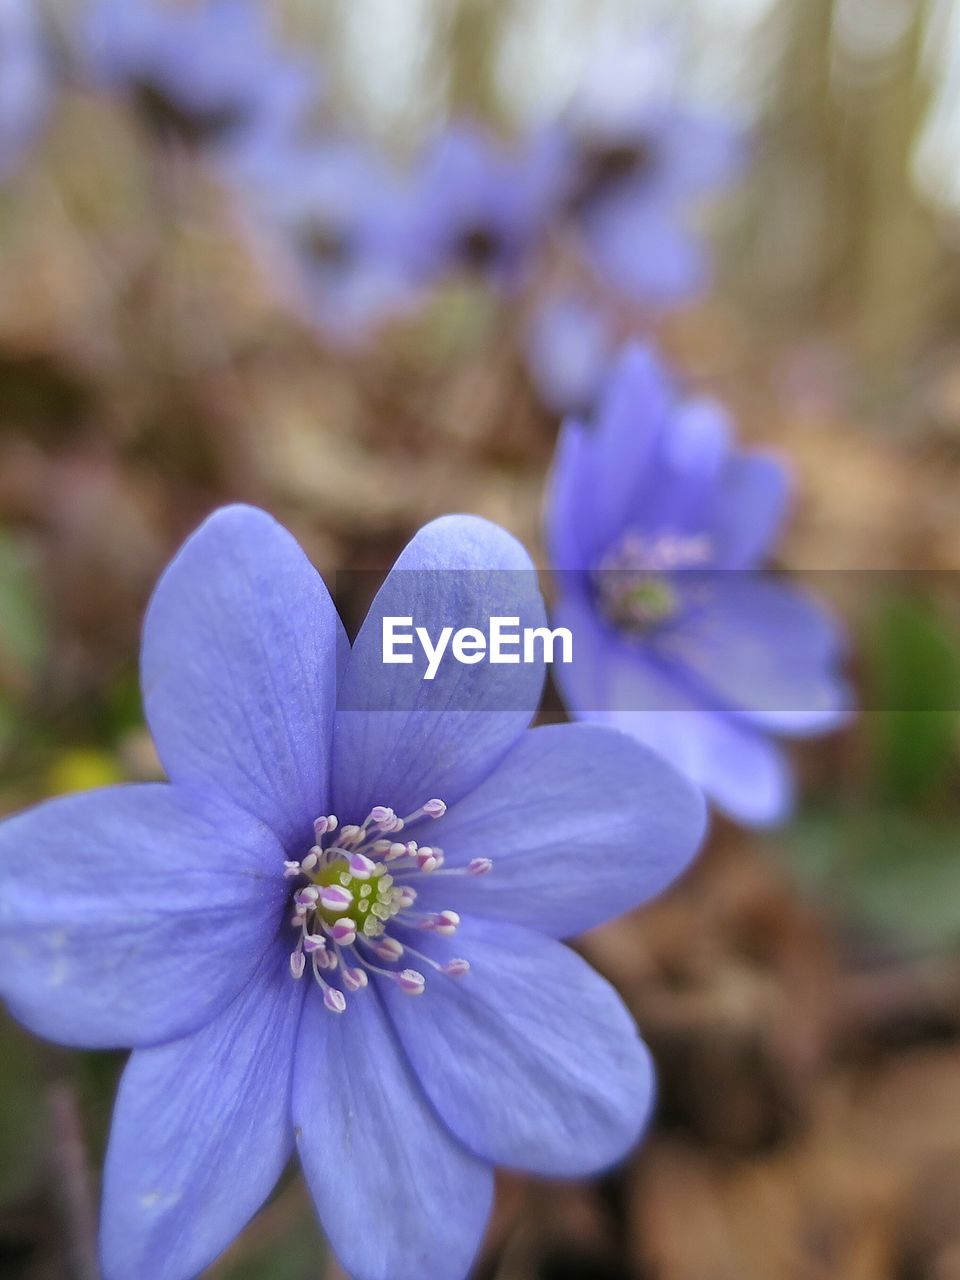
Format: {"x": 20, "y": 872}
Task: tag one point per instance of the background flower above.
{"x": 629, "y": 159}
{"x": 203, "y": 75}
{"x": 478, "y": 207}
{"x": 658, "y": 523}
{"x": 570, "y": 348}
{"x": 25, "y": 82}
{"x": 328, "y": 223}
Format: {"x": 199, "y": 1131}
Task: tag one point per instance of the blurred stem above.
{"x": 474, "y": 37}
{"x": 897, "y": 251}
{"x": 843, "y": 236}
{"x": 73, "y": 1183}
{"x": 802, "y": 244}
{"x": 879, "y": 1004}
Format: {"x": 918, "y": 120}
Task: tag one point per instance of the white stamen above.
{"x": 427, "y": 859}
{"x": 354, "y": 979}
{"x": 322, "y": 827}
{"x": 446, "y": 923}
{"x": 361, "y": 867}
{"x": 388, "y": 948}
{"x": 335, "y": 1000}
{"x": 334, "y": 897}
{"x": 411, "y": 982}
{"x": 344, "y": 931}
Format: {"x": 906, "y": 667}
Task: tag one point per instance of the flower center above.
{"x": 191, "y": 126}
{"x": 326, "y": 245}
{"x": 637, "y": 601}
{"x": 604, "y": 165}
{"x": 355, "y": 907}
{"x": 633, "y": 582}
{"x": 478, "y": 247}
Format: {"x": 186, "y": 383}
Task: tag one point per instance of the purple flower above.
{"x": 204, "y": 75}
{"x": 24, "y": 81}
{"x": 328, "y": 224}
{"x": 478, "y": 208}
{"x": 384, "y": 993}
{"x": 570, "y": 347}
{"x": 658, "y": 523}
{"x": 627, "y": 162}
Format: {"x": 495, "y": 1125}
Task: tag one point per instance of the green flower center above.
{"x": 374, "y": 899}
{"x": 639, "y": 602}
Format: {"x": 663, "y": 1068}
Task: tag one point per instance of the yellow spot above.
{"x": 83, "y": 769}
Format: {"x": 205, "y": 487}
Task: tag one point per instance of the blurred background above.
{"x": 800, "y": 988}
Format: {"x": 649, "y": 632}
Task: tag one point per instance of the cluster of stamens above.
{"x": 632, "y": 582}
{"x": 358, "y": 883}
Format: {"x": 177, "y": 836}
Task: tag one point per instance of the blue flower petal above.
{"x": 25, "y": 81}
{"x": 569, "y": 348}
{"x": 749, "y": 510}
{"x": 599, "y": 470}
{"x": 745, "y": 775}
{"x": 239, "y": 668}
{"x": 571, "y": 535}
{"x": 699, "y": 153}
{"x": 645, "y": 251}
{"x": 398, "y": 1197}
{"x": 201, "y": 1132}
{"x": 582, "y": 824}
{"x": 677, "y": 492}
{"x": 758, "y": 648}
{"x": 531, "y": 1058}
{"x": 132, "y": 915}
{"x": 400, "y": 739}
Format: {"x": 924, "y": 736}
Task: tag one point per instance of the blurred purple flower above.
{"x": 627, "y": 163}
{"x": 218, "y": 924}
{"x": 25, "y": 86}
{"x": 657, "y": 524}
{"x": 204, "y": 74}
{"x": 329, "y": 224}
{"x": 570, "y": 347}
{"x": 478, "y": 208}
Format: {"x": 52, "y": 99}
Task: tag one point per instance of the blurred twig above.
{"x": 73, "y": 1183}
{"x": 900, "y": 1002}
{"x": 476, "y": 30}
